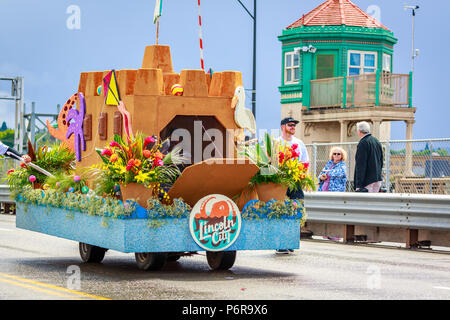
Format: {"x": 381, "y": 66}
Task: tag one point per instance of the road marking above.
{"x": 15, "y": 280}
{"x": 16, "y": 283}
{"x": 2, "y": 229}
{"x": 443, "y": 288}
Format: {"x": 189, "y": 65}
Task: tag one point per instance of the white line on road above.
{"x": 443, "y": 288}
{"x": 1, "y": 229}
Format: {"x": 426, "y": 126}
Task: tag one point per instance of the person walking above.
{"x": 333, "y": 177}
{"x": 287, "y": 138}
{"x": 368, "y": 160}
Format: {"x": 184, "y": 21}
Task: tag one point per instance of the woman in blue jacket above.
{"x": 333, "y": 177}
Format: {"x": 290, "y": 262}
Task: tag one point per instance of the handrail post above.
{"x": 431, "y": 167}
{"x": 377, "y": 88}
{"x": 410, "y": 89}
{"x": 387, "y": 158}
{"x": 344, "y": 90}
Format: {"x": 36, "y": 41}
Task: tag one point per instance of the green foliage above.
{"x": 288, "y": 209}
{"x": 105, "y": 207}
{"x": 7, "y": 137}
{"x": 57, "y": 159}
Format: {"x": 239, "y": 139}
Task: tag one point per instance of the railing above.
{"x": 380, "y": 217}
{"x": 373, "y": 89}
{"x": 410, "y": 166}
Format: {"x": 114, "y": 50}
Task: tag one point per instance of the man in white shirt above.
{"x": 288, "y": 126}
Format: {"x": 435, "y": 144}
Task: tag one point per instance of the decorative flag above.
{"x": 158, "y": 11}
{"x": 110, "y": 89}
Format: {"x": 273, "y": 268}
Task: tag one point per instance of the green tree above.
{"x": 7, "y": 137}
{"x": 4, "y": 127}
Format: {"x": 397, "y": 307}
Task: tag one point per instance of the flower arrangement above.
{"x": 57, "y": 159}
{"x": 141, "y": 159}
{"x": 279, "y": 164}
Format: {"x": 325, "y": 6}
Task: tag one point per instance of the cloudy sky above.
{"x": 41, "y": 41}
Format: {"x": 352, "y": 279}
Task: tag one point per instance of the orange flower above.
{"x": 137, "y": 163}
{"x": 147, "y": 153}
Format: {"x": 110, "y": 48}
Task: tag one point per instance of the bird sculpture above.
{"x": 243, "y": 117}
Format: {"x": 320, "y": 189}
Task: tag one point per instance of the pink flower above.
{"x": 32, "y": 178}
{"x": 159, "y": 162}
{"x": 10, "y": 171}
{"x": 148, "y": 140}
{"x": 114, "y": 144}
{"x": 106, "y": 152}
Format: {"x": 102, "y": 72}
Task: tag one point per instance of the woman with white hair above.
{"x": 333, "y": 177}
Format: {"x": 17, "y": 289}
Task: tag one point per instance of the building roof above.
{"x": 336, "y": 13}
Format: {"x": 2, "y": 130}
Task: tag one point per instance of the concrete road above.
{"x": 36, "y": 266}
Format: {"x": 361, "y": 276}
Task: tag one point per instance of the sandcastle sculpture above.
{"x": 146, "y": 94}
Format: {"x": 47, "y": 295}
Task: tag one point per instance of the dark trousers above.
{"x": 296, "y": 194}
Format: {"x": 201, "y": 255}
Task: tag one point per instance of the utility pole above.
{"x": 414, "y": 52}
{"x": 253, "y": 16}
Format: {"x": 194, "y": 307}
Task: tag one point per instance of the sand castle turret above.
{"x": 146, "y": 93}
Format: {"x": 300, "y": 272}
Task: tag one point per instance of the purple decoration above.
{"x": 75, "y": 119}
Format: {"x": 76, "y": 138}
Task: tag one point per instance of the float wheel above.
{"x": 90, "y": 253}
{"x": 150, "y": 260}
{"x": 221, "y": 260}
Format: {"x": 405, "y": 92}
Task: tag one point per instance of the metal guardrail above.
{"x": 4, "y": 194}
{"x": 409, "y": 211}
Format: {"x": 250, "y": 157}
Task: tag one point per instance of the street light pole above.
{"x": 413, "y": 53}
{"x": 253, "y": 16}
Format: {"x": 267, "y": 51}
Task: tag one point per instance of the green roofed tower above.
{"x": 337, "y": 69}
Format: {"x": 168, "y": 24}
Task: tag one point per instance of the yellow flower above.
{"x": 142, "y": 177}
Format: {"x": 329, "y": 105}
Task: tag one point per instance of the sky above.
{"x": 43, "y": 42}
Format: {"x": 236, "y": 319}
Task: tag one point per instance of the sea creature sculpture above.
{"x": 243, "y": 117}
{"x": 62, "y": 124}
{"x": 75, "y": 120}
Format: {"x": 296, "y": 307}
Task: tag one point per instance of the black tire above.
{"x": 173, "y": 258}
{"x": 150, "y": 260}
{"x": 221, "y": 260}
{"x": 90, "y": 253}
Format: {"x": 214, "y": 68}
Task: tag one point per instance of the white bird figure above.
{"x": 243, "y": 117}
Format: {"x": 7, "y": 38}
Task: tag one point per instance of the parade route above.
{"x": 36, "y": 266}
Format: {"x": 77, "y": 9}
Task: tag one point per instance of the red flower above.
{"x": 106, "y": 152}
{"x": 159, "y": 162}
{"x": 280, "y": 157}
{"x": 130, "y": 165}
{"x": 294, "y": 146}
{"x": 306, "y": 165}
{"x": 10, "y": 171}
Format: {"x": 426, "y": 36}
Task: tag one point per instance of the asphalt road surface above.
{"x": 35, "y": 266}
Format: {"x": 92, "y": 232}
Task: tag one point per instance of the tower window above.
{"x": 360, "y": 62}
{"x": 291, "y": 67}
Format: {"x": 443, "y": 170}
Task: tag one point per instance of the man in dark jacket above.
{"x": 369, "y": 160}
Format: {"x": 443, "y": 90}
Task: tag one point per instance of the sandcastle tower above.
{"x": 203, "y": 111}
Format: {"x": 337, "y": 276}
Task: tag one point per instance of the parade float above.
{"x": 154, "y": 162}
